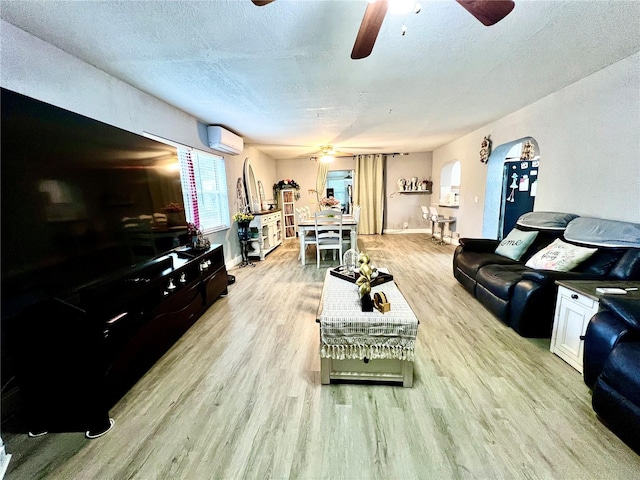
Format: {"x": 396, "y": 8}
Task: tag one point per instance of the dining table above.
{"x": 309, "y": 225}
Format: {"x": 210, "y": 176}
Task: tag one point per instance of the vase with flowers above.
{"x": 198, "y": 241}
{"x": 244, "y": 234}
{"x": 243, "y": 218}
{"x": 328, "y": 203}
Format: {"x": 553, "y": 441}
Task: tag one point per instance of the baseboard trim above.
{"x": 407, "y": 230}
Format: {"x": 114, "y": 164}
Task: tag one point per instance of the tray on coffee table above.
{"x": 343, "y": 273}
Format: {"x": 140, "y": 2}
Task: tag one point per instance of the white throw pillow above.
{"x": 516, "y": 243}
{"x": 560, "y": 256}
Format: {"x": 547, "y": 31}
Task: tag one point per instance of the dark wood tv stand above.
{"x": 76, "y": 357}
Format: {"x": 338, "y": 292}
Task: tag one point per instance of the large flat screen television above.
{"x": 71, "y": 186}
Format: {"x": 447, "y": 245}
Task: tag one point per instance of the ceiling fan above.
{"x": 489, "y": 12}
{"x": 328, "y": 153}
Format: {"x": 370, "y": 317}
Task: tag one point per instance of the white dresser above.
{"x": 266, "y": 232}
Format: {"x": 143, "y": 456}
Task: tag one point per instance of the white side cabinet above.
{"x": 266, "y": 233}
{"x": 574, "y": 309}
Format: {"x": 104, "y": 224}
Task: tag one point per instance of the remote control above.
{"x": 611, "y": 291}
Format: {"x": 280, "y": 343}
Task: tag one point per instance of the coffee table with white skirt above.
{"x": 371, "y": 346}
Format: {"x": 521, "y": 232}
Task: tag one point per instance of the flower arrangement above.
{"x": 197, "y": 238}
{"x": 286, "y": 183}
{"x": 329, "y": 202}
{"x": 193, "y": 230}
{"x": 242, "y": 217}
{"x": 172, "y": 208}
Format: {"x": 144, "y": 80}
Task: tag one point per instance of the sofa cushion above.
{"x": 626, "y": 309}
{"x": 516, "y": 243}
{"x": 500, "y": 280}
{"x": 601, "y": 262}
{"x": 560, "y": 256}
{"x": 471, "y": 262}
{"x": 628, "y": 267}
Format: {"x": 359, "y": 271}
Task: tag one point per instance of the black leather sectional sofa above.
{"x": 524, "y": 297}
{"x": 612, "y": 366}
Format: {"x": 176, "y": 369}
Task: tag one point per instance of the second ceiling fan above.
{"x": 489, "y": 12}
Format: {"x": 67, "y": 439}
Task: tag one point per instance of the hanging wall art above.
{"x": 485, "y": 149}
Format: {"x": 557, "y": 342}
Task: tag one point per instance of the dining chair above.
{"x": 346, "y": 233}
{"x": 328, "y": 232}
{"x": 309, "y": 236}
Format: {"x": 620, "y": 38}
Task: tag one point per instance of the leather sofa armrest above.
{"x": 626, "y": 310}
{"x": 549, "y": 277}
{"x": 480, "y": 245}
{"x": 604, "y": 332}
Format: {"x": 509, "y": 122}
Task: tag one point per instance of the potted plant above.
{"x": 243, "y": 219}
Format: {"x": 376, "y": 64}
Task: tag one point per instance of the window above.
{"x": 204, "y": 189}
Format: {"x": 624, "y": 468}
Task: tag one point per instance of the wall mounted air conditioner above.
{"x": 224, "y": 141}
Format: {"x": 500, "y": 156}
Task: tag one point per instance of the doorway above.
{"x": 512, "y": 181}
{"x": 340, "y": 182}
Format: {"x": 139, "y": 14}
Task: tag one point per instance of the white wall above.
{"x": 405, "y": 208}
{"x": 589, "y": 139}
{"x": 399, "y": 208}
{"x": 39, "y": 70}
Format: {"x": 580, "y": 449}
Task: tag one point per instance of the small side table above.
{"x": 576, "y": 303}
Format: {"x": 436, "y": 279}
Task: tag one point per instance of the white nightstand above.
{"x": 576, "y": 303}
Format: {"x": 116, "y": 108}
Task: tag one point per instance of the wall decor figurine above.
{"x": 426, "y": 185}
{"x": 528, "y": 151}
{"x": 414, "y": 183}
{"x": 401, "y": 184}
{"x": 485, "y": 149}
{"x": 241, "y": 196}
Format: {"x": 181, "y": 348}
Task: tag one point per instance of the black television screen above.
{"x": 73, "y": 188}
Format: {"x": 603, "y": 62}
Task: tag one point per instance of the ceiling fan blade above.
{"x": 369, "y": 28}
{"x": 261, "y": 3}
{"x": 488, "y": 12}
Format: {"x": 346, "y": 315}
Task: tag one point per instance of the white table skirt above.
{"x": 346, "y": 332}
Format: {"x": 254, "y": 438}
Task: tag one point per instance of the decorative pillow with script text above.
{"x": 560, "y": 256}
{"x": 515, "y": 244}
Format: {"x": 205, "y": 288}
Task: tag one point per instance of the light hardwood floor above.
{"x": 239, "y": 395}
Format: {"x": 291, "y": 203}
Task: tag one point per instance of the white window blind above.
{"x": 204, "y": 189}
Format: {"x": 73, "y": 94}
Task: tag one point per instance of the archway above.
{"x": 493, "y": 205}
{"x": 450, "y": 183}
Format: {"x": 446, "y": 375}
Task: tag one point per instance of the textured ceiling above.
{"x": 281, "y": 75}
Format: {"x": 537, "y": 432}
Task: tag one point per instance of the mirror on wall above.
{"x": 262, "y": 197}
{"x": 251, "y": 187}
